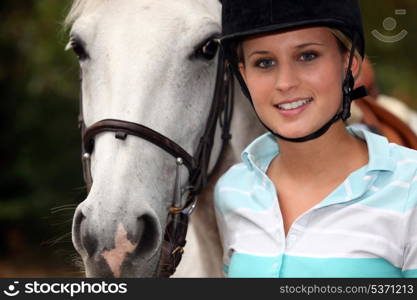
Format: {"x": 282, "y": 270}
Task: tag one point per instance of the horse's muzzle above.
{"x": 117, "y": 248}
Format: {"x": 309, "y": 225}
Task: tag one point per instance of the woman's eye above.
{"x": 308, "y": 56}
{"x": 265, "y": 63}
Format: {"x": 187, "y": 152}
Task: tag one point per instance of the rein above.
{"x": 184, "y": 199}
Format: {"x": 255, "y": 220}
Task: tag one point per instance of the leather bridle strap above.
{"x": 220, "y": 103}
{"x": 125, "y": 128}
{"x": 176, "y": 230}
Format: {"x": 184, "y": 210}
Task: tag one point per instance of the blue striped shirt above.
{"x": 366, "y": 227}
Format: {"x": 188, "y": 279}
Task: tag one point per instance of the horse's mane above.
{"x": 79, "y": 7}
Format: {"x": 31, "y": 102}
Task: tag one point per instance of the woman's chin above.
{"x": 292, "y": 134}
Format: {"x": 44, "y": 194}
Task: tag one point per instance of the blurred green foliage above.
{"x": 40, "y": 146}
{"x": 395, "y": 64}
{"x": 39, "y": 149}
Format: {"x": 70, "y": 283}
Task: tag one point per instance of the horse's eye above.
{"x": 208, "y": 50}
{"x": 78, "y": 47}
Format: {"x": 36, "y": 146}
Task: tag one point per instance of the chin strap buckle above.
{"x": 360, "y": 92}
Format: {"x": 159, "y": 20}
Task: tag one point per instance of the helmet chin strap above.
{"x": 348, "y": 96}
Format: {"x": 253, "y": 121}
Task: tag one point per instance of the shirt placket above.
{"x": 297, "y": 228}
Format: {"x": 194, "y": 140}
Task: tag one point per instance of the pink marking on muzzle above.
{"x": 116, "y": 256}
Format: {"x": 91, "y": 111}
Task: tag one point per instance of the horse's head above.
{"x": 141, "y": 61}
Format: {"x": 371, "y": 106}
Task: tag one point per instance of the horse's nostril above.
{"x": 83, "y": 241}
{"x": 76, "y": 229}
{"x": 89, "y": 242}
{"x": 147, "y": 235}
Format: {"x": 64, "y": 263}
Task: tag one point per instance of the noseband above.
{"x": 184, "y": 199}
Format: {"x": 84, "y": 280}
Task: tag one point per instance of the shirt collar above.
{"x": 380, "y": 158}
{"x": 263, "y": 149}
{"x": 260, "y": 152}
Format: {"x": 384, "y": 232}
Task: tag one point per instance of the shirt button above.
{"x": 291, "y": 239}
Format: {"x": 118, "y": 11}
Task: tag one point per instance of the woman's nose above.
{"x": 286, "y": 78}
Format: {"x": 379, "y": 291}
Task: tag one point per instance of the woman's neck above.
{"x": 332, "y": 156}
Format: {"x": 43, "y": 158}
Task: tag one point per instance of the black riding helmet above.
{"x": 243, "y": 18}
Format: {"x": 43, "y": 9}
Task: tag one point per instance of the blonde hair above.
{"x": 347, "y": 45}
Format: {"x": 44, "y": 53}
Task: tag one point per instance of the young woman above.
{"x": 311, "y": 198}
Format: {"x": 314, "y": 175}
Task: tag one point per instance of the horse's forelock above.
{"x": 79, "y": 7}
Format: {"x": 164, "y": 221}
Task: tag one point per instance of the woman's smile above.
{"x": 294, "y": 107}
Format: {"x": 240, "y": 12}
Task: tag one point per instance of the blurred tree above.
{"x": 39, "y": 150}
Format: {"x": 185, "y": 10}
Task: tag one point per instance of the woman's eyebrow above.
{"x": 308, "y": 44}
{"x": 258, "y": 52}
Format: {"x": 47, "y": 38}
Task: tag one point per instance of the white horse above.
{"x": 140, "y": 62}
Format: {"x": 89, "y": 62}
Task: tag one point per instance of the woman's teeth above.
{"x": 294, "y": 105}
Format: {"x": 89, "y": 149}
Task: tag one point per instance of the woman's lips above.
{"x": 294, "y": 107}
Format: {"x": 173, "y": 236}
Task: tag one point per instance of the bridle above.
{"x": 184, "y": 199}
